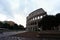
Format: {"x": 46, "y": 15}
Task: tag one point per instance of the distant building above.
{"x": 11, "y": 23}
{"x": 33, "y": 18}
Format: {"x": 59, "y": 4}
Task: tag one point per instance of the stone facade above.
{"x": 33, "y": 18}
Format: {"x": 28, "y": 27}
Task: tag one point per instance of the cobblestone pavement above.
{"x": 25, "y": 38}
{"x": 4, "y": 34}
{"x": 7, "y": 35}
{"x": 17, "y": 38}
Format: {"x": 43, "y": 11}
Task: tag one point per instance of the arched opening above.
{"x": 38, "y": 17}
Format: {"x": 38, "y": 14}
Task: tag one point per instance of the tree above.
{"x": 21, "y": 27}
{"x": 48, "y": 22}
{"x": 15, "y": 27}
{"x": 58, "y": 19}
{"x": 11, "y": 25}
{"x": 1, "y": 24}
{"x": 6, "y": 25}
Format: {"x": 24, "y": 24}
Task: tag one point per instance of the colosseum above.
{"x": 33, "y": 18}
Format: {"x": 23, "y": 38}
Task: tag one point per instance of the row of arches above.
{"x": 36, "y": 18}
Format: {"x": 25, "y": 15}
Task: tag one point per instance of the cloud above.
{"x": 2, "y": 17}
{"x": 51, "y": 6}
{"x": 9, "y": 10}
{"x": 14, "y": 4}
{"x": 18, "y": 10}
{"x": 20, "y": 19}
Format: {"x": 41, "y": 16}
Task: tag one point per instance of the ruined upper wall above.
{"x": 35, "y": 13}
{"x": 38, "y": 11}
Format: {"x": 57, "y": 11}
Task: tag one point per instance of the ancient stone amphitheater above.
{"x": 32, "y": 26}
{"x": 33, "y": 18}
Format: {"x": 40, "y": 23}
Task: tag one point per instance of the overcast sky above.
{"x": 17, "y": 10}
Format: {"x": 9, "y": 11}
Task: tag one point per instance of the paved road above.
{"x": 5, "y": 34}
{"x": 18, "y": 38}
